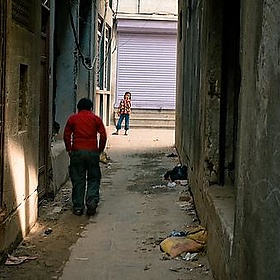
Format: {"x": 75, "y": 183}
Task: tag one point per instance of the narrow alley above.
{"x": 137, "y": 211}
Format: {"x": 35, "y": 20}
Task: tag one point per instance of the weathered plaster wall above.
{"x": 242, "y": 219}
{"x": 20, "y": 201}
{"x": 71, "y": 79}
{"x": 257, "y": 224}
{"x": 64, "y": 79}
{"x": 66, "y": 63}
{"x": 198, "y": 121}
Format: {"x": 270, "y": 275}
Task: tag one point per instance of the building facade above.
{"x": 20, "y": 81}
{"x": 146, "y": 48}
{"x": 227, "y": 127}
{"x": 52, "y": 53}
{"x": 81, "y": 40}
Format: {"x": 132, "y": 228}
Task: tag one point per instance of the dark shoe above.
{"x": 78, "y": 212}
{"x": 126, "y": 133}
{"x": 91, "y": 210}
{"x": 115, "y": 133}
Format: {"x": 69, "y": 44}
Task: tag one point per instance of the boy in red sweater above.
{"x": 81, "y": 135}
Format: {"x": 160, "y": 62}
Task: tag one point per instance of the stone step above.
{"x": 151, "y": 118}
{"x": 154, "y": 126}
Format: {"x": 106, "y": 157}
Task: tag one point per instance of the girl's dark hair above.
{"x": 85, "y": 104}
{"x": 128, "y": 93}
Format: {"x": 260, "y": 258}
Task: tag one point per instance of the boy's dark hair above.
{"x": 85, "y": 104}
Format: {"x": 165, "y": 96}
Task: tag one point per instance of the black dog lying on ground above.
{"x": 179, "y": 172}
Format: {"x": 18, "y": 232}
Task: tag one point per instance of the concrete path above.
{"x": 136, "y": 212}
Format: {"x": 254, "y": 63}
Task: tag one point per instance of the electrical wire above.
{"x": 110, "y": 40}
{"x": 89, "y": 65}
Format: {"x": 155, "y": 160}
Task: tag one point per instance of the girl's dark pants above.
{"x": 85, "y": 176}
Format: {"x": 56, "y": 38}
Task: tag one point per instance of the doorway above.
{"x": 44, "y": 107}
{"x": 3, "y": 16}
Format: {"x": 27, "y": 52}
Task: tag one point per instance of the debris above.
{"x": 11, "y": 260}
{"x": 179, "y": 172}
{"x": 56, "y": 210}
{"x": 190, "y": 256}
{"x": 147, "y": 266}
{"x": 175, "y": 269}
{"x": 81, "y": 259}
{"x": 159, "y": 187}
{"x": 176, "y": 233}
{"x": 182, "y": 182}
{"x": 48, "y": 231}
{"x": 165, "y": 258}
{"x": 186, "y": 206}
{"x": 171, "y": 184}
{"x": 172, "y": 155}
{"x": 193, "y": 242}
{"x": 185, "y": 198}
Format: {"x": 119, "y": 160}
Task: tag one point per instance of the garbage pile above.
{"x": 186, "y": 244}
{"x": 179, "y": 243}
{"x": 179, "y": 172}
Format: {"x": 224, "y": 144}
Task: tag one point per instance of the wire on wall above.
{"x": 87, "y": 62}
{"x": 110, "y": 40}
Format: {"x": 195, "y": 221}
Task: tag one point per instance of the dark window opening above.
{"x": 230, "y": 92}
{"x": 101, "y": 105}
{"x": 23, "y": 13}
{"x": 22, "y": 101}
{"x": 3, "y": 18}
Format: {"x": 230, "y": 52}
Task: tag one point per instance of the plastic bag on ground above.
{"x": 194, "y": 242}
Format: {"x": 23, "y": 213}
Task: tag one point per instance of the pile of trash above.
{"x": 179, "y": 172}
{"x": 191, "y": 241}
{"x": 188, "y": 243}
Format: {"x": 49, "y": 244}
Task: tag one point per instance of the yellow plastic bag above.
{"x": 103, "y": 158}
{"x": 194, "y": 242}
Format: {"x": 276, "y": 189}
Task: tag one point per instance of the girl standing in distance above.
{"x": 124, "y": 111}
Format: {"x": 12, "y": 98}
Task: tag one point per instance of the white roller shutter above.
{"x": 147, "y": 68}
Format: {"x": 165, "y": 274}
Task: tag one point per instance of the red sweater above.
{"x": 81, "y": 132}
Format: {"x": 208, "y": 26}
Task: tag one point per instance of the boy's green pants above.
{"x": 85, "y": 176}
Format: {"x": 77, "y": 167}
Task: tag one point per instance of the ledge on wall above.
{"x": 219, "y": 213}
{"x": 59, "y": 165}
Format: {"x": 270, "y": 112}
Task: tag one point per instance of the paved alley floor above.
{"x": 136, "y": 212}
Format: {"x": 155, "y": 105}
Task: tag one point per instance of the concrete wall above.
{"x": 74, "y": 70}
{"x": 72, "y": 79}
{"x": 257, "y": 221}
{"x": 103, "y": 96}
{"x": 227, "y": 130}
{"x": 20, "y": 199}
{"x": 64, "y": 79}
{"x": 199, "y": 75}
{"x": 66, "y": 62}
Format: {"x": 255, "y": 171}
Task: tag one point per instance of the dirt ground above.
{"x": 136, "y": 167}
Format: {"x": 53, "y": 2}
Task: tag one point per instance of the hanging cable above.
{"x": 115, "y": 13}
{"x": 89, "y": 65}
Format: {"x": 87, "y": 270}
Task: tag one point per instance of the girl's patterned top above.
{"x": 124, "y": 107}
